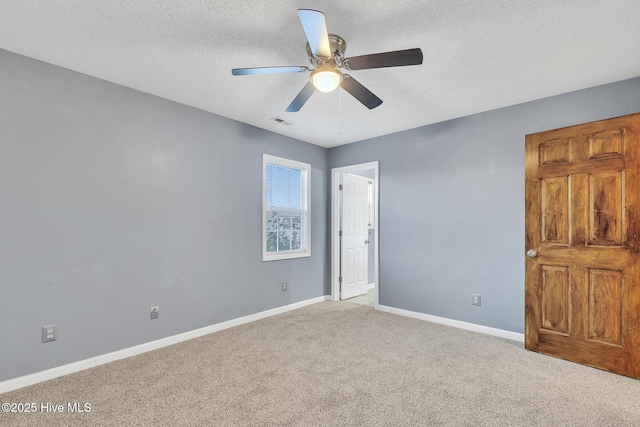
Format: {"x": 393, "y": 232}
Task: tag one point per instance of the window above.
{"x": 285, "y": 214}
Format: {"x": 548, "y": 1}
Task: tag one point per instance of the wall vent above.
{"x": 282, "y": 121}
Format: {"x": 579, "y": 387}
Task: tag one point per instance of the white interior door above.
{"x": 354, "y": 253}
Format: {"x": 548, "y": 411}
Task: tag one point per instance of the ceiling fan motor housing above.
{"x": 338, "y": 46}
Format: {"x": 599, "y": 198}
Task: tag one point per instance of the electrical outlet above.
{"x": 476, "y": 299}
{"x": 49, "y": 333}
{"x": 284, "y": 286}
{"x": 155, "y": 312}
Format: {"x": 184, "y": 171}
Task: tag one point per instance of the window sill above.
{"x": 288, "y": 255}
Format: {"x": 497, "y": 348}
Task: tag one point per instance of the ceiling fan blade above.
{"x": 301, "y": 98}
{"x": 315, "y": 28}
{"x": 360, "y": 92}
{"x": 397, "y": 58}
{"x": 267, "y": 70}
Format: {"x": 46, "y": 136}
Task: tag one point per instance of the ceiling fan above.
{"x": 326, "y": 54}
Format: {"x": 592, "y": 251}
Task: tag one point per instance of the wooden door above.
{"x": 354, "y": 252}
{"x": 582, "y": 289}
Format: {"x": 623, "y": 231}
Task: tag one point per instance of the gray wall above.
{"x": 113, "y": 201}
{"x": 452, "y": 204}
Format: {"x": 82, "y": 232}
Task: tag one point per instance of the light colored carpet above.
{"x": 338, "y": 364}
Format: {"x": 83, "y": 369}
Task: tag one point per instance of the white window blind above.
{"x": 285, "y": 209}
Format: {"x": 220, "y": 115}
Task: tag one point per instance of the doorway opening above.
{"x": 340, "y": 278}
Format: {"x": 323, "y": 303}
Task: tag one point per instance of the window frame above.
{"x": 305, "y": 184}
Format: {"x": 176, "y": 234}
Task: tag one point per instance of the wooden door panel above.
{"x": 582, "y": 291}
{"x": 606, "y": 289}
{"x": 555, "y": 298}
{"x": 606, "y": 213}
{"x": 606, "y": 145}
{"x": 555, "y": 209}
{"x": 554, "y": 152}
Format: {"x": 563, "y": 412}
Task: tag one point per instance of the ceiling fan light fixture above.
{"x": 326, "y": 79}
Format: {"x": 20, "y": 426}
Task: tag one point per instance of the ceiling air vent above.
{"x": 282, "y": 121}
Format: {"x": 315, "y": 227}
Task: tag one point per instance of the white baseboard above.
{"x": 37, "y": 377}
{"x": 454, "y": 323}
{"x": 371, "y": 286}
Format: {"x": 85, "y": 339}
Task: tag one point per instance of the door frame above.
{"x": 336, "y": 174}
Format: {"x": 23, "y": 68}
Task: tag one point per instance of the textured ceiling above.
{"x": 478, "y": 55}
